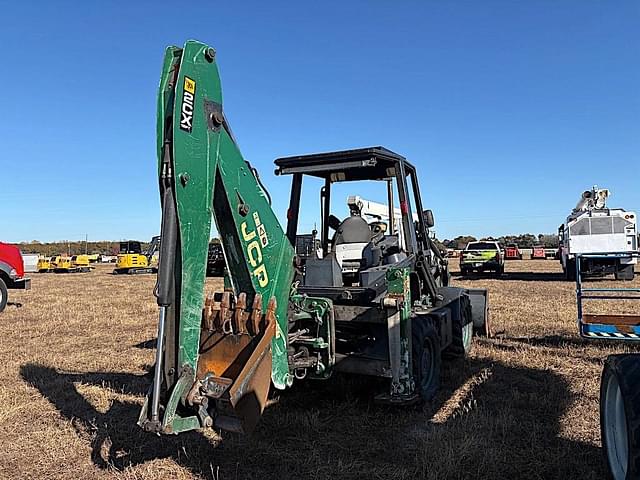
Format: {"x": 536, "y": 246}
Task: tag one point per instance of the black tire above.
{"x": 464, "y": 272}
{"x": 426, "y": 357}
{"x": 570, "y": 271}
{"x": 624, "y": 272}
{"x": 620, "y": 427}
{"x": 500, "y": 270}
{"x": 462, "y": 331}
{"x": 4, "y": 295}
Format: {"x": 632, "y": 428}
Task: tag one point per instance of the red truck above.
{"x": 11, "y": 272}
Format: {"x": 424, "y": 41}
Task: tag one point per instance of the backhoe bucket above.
{"x": 234, "y": 364}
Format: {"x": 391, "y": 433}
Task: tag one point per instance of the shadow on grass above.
{"x": 523, "y": 276}
{"x": 147, "y": 344}
{"x": 489, "y": 420}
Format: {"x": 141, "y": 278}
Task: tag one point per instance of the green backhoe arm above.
{"x": 203, "y": 175}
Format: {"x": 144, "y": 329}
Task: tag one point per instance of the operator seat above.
{"x": 349, "y": 241}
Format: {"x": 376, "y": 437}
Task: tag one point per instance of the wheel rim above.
{"x": 615, "y": 429}
{"x": 467, "y": 334}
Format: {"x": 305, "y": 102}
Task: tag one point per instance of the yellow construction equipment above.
{"x": 132, "y": 260}
{"x": 44, "y": 264}
{"x": 73, "y": 264}
{"x": 53, "y": 262}
{"x": 94, "y": 258}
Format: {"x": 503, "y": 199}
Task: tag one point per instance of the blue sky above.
{"x": 510, "y": 109}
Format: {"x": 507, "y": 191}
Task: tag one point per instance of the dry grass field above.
{"x": 73, "y": 370}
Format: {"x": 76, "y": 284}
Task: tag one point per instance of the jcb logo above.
{"x": 186, "y": 109}
{"x": 254, "y": 244}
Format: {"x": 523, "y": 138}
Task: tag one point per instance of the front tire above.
{"x": 4, "y": 295}
{"x": 620, "y": 415}
{"x": 426, "y": 357}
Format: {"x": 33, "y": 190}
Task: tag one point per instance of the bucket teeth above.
{"x": 227, "y": 314}
{"x": 234, "y": 364}
{"x": 240, "y": 315}
{"x": 256, "y": 313}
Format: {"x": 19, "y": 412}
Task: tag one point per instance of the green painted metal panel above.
{"x": 208, "y": 165}
{"x": 398, "y": 288}
{"x": 194, "y": 167}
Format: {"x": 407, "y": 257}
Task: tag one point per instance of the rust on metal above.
{"x": 234, "y": 365}
{"x": 256, "y": 313}
{"x": 618, "y": 320}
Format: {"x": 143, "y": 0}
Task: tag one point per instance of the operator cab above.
{"x": 357, "y": 250}
{"x": 130, "y": 246}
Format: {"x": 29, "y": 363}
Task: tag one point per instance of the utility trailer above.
{"x": 593, "y": 228}
{"x": 620, "y": 381}
{"x": 512, "y": 252}
{"x": 217, "y": 355}
{"x": 603, "y": 326}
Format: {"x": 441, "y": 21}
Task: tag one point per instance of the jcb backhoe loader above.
{"x": 217, "y": 355}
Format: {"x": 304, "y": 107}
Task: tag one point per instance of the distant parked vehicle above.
{"x": 512, "y": 252}
{"x": 30, "y": 261}
{"x": 73, "y": 264}
{"x": 216, "y": 265}
{"x": 44, "y": 264}
{"x": 11, "y": 272}
{"x": 593, "y": 229}
{"x": 538, "y": 253}
{"x": 482, "y": 256}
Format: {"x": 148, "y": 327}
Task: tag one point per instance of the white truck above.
{"x": 593, "y": 228}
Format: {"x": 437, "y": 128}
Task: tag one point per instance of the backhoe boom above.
{"x": 228, "y": 354}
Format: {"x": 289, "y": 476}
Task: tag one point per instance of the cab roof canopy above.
{"x": 372, "y": 163}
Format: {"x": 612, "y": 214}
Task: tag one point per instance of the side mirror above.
{"x": 427, "y": 215}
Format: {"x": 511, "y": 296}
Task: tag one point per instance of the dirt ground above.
{"x": 76, "y": 350}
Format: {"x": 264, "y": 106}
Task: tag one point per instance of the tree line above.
{"x": 525, "y": 240}
{"x": 105, "y": 247}
{"x": 71, "y": 247}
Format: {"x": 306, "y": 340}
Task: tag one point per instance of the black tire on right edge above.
{"x": 620, "y": 415}
{"x": 4, "y": 295}
{"x": 426, "y": 356}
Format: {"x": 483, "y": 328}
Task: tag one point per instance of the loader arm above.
{"x": 213, "y": 365}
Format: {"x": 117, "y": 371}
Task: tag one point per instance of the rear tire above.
{"x": 426, "y": 357}
{"x": 624, "y": 272}
{"x": 620, "y": 415}
{"x": 4, "y": 295}
{"x": 462, "y": 331}
{"x": 570, "y": 271}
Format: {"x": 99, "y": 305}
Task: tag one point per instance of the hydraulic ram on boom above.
{"x": 235, "y": 349}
